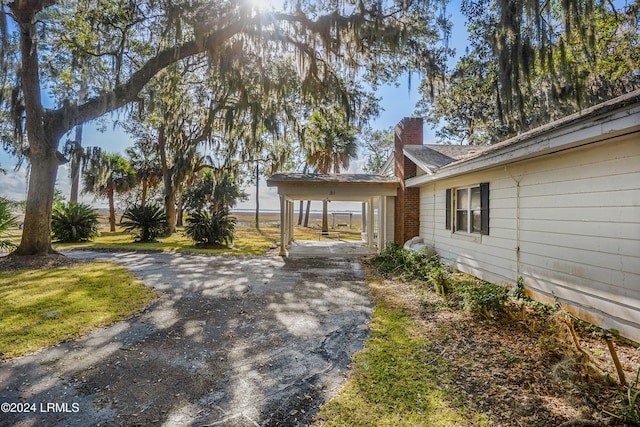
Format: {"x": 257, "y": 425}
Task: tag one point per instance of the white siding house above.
{"x": 558, "y": 206}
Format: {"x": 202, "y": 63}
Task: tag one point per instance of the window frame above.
{"x": 452, "y": 209}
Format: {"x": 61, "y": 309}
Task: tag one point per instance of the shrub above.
{"x": 409, "y": 265}
{"x": 7, "y": 221}
{"x": 390, "y": 259}
{"x": 213, "y": 230}
{"x": 632, "y": 403}
{"x": 484, "y": 298}
{"x": 146, "y": 223}
{"x": 74, "y": 222}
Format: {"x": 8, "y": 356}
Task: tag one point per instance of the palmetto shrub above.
{"x": 211, "y": 230}
{"x": 74, "y": 222}
{"x": 7, "y": 221}
{"x": 146, "y": 223}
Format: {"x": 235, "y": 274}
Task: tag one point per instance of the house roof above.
{"x": 431, "y": 157}
{"x": 604, "y": 121}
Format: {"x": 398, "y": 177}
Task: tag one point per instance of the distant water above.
{"x": 268, "y": 211}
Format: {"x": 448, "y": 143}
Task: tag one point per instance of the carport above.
{"x": 374, "y": 191}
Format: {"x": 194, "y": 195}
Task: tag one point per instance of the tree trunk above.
{"x": 112, "y": 210}
{"x": 325, "y": 214}
{"x": 300, "y": 212}
{"x": 169, "y": 190}
{"x": 180, "y": 210}
{"x": 306, "y": 215}
{"x": 257, "y": 196}
{"x": 36, "y": 232}
{"x": 43, "y": 137}
{"x": 170, "y": 205}
{"x": 143, "y": 197}
{"x": 304, "y": 171}
{"x": 76, "y": 157}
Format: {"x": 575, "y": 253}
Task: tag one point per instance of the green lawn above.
{"x": 45, "y": 307}
{"x": 399, "y": 379}
{"x": 249, "y": 241}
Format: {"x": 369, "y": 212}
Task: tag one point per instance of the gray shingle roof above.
{"x": 435, "y": 156}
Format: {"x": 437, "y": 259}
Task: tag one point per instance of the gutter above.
{"x": 599, "y": 123}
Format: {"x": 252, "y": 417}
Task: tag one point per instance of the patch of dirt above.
{"x": 38, "y": 262}
{"x": 519, "y": 372}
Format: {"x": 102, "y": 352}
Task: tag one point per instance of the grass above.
{"x": 249, "y": 241}
{"x": 399, "y": 379}
{"x": 42, "y": 308}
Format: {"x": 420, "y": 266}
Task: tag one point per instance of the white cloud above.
{"x": 13, "y": 185}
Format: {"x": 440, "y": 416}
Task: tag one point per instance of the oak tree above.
{"x": 126, "y": 43}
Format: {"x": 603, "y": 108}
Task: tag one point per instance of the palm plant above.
{"x": 330, "y": 146}
{"x": 146, "y": 223}
{"x": 144, "y": 160}
{"x": 212, "y": 230}
{"x": 7, "y": 221}
{"x": 106, "y": 174}
{"x": 74, "y": 222}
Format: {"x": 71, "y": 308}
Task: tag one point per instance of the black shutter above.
{"x": 484, "y": 208}
{"x": 447, "y": 220}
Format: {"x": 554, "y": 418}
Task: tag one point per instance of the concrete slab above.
{"x": 251, "y": 341}
{"x": 327, "y": 248}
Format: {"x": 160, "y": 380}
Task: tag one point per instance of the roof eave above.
{"x": 426, "y": 168}
{"x": 545, "y": 142}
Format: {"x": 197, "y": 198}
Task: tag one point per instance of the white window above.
{"x": 468, "y": 211}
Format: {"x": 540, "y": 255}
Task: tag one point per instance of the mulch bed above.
{"x": 42, "y": 262}
{"x": 521, "y": 372}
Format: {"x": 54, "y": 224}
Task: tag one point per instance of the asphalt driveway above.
{"x": 233, "y": 341}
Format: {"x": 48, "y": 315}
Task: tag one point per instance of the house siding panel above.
{"x": 578, "y": 229}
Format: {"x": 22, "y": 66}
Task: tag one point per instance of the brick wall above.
{"x": 407, "y": 205}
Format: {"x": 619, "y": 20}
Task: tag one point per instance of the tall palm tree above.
{"x": 106, "y": 174}
{"x": 187, "y": 170}
{"x": 331, "y": 145}
{"x": 144, "y": 160}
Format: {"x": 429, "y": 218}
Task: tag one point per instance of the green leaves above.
{"x": 146, "y": 223}
{"x": 74, "y": 222}
{"x": 533, "y": 62}
{"x": 103, "y": 172}
{"x": 7, "y": 221}
{"x": 211, "y": 230}
{"x": 330, "y": 141}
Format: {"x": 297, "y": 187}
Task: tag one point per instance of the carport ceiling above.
{"x": 343, "y": 187}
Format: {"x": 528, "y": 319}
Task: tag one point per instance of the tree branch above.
{"x": 68, "y": 116}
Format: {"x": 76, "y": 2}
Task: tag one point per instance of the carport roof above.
{"x": 345, "y": 187}
{"x": 340, "y": 178}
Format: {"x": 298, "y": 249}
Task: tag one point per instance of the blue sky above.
{"x": 397, "y": 101}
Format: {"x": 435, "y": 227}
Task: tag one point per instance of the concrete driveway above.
{"x": 232, "y": 341}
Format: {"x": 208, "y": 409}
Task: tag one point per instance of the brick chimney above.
{"x": 407, "y": 207}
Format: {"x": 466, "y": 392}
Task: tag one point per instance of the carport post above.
{"x": 371, "y": 225}
{"x": 291, "y": 216}
{"x": 283, "y": 248}
{"x": 382, "y": 221}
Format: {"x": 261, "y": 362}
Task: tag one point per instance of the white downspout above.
{"x": 517, "y": 248}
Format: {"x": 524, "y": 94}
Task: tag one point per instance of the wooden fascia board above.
{"x": 387, "y": 169}
{"x": 336, "y": 191}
